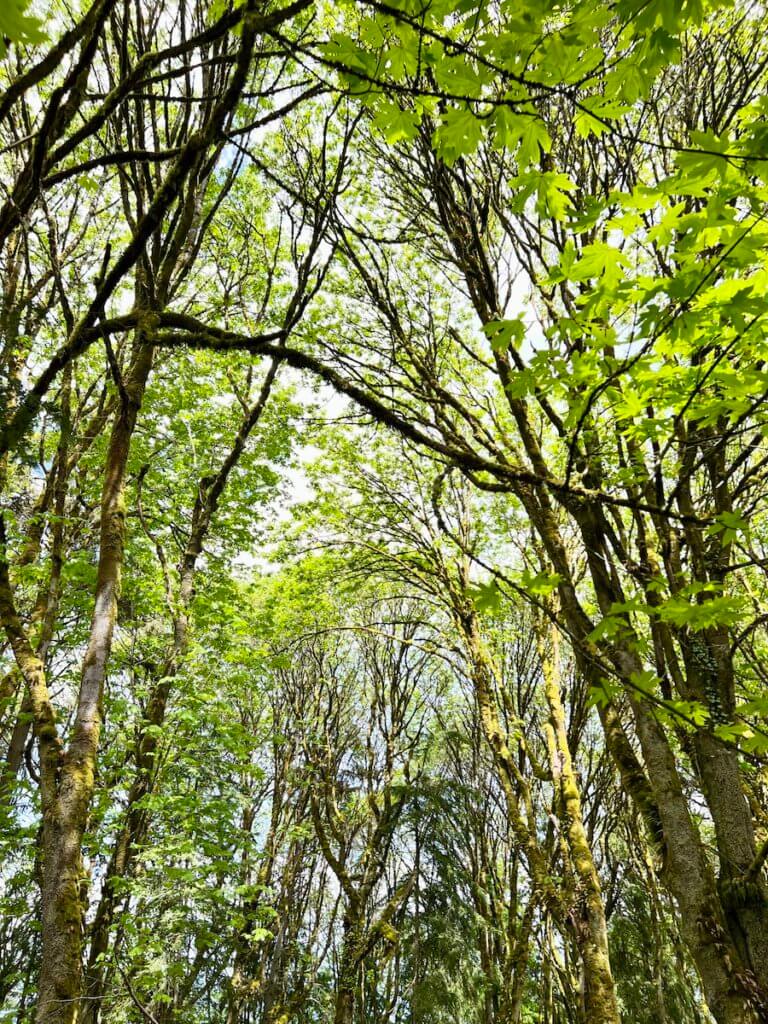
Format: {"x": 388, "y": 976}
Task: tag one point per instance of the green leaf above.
{"x": 599, "y": 260}
{"x": 540, "y": 584}
{"x": 595, "y": 113}
{"x": 396, "y": 125}
{"x": 726, "y": 610}
{"x": 729, "y": 525}
{"x": 526, "y": 132}
{"x": 553, "y": 199}
{"x": 18, "y": 27}
{"x": 533, "y": 140}
{"x": 458, "y": 135}
{"x": 487, "y": 597}
{"x": 503, "y": 333}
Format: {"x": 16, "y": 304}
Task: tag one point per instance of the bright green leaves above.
{"x": 491, "y": 72}
{"x": 696, "y": 607}
{"x": 629, "y": 83}
{"x": 549, "y": 191}
{"x": 729, "y": 526}
{"x": 675, "y": 278}
{"x": 604, "y": 692}
{"x": 540, "y": 584}
{"x": 617, "y": 620}
{"x": 358, "y": 65}
{"x": 458, "y": 134}
{"x": 744, "y": 736}
{"x": 503, "y": 334}
{"x": 703, "y": 164}
{"x": 464, "y": 80}
{"x": 684, "y": 610}
{"x": 219, "y": 7}
{"x": 673, "y": 16}
{"x": 599, "y": 261}
{"x": 17, "y": 26}
{"x": 594, "y": 115}
{"x": 553, "y": 199}
{"x": 748, "y": 727}
{"x": 489, "y": 599}
{"x": 689, "y": 715}
{"x": 256, "y": 935}
{"x": 395, "y": 124}
{"x": 526, "y": 132}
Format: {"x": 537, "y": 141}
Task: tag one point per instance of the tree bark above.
{"x": 686, "y": 871}
{"x": 344, "y": 1009}
{"x": 65, "y": 818}
{"x": 591, "y": 932}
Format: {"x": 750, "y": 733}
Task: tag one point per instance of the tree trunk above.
{"x": 591, "y": 933}
{"x": 345, "y": 1003}
{"x": 65, "y": 819}
{"x": 689, "y": 877}
{"x": 744, "y": 899}
{"x": 686, "y": 871}
{"x": 344, "y": 1010}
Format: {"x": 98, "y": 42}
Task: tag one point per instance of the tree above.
{"x": 528, "y": 242}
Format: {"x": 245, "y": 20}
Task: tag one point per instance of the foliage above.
{"x": 383, "y": 512}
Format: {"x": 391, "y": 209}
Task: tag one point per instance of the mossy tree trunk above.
{"x": 590, "y": 930}
{"x": 65, "y": 814}
{"x": 344, "y": 1008}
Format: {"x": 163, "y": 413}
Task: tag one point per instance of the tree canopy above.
{"x": 383, "y": 512}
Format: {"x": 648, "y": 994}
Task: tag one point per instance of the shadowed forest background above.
{"x": 383, "y": 526}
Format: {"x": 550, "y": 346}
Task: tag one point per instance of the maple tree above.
{"x": 382, "y": 570}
